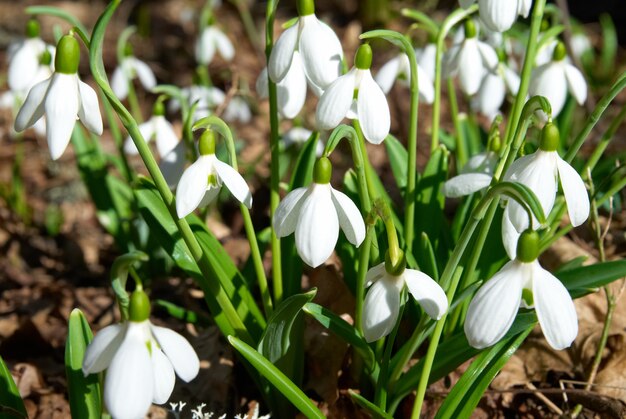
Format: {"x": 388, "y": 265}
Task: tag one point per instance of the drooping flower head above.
{"x": 522, "y": 283}
{"x": 356, "y": 95}
{"x": 399, "y": 68}
{"x": 63, "y": 98}
{"x": 25, "y": 59}
{"x": 212, "y": 40}
{"x": 290, "y": 91}
{"x": 499, "y": 15}
{"x": 494, "y": 87}
{"x": 141, "y": 360}
{"x": 315, "y": 215}
{"x": 129, "y": 69}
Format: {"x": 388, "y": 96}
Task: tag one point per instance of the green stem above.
{"x": 461, "y": 149}
{"x": 135, "y": 108}
{"x": 407, "y": 351}
{"x": 411, "y": 179}
{"x": 203, "y": 75}
{"x": 604, "y": 142}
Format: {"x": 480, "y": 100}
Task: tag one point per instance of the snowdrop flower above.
{"x": 369, "y": 104}
{"x": 522, "y": 283}
{"x": 208, "y": 98}
{"x": 63, "y": 98}
{"x": 382, "y": 302}
{"x": 141, "y": 359}
{"x": 399, "y": 68}
{"x": 317, "y": 44}
{"x": 493, "y": 90}
{"x": 299, "y": 135}
{"x": 471, "y": 59}
{"x": 539, "y": 172}
{"x": 212, "y": 39}
{"x": 315, "y": 215}
{"x": 237, "y": 110}
{"x": 202, "y": 181}
{"x": 554, "y": 79}
{"x": 129, "y": 69}
{"x": 499, "y": 15}
{"x": 290, "y": 91}
{"x": 427, "y": 58}
{"x": 157, "y": 128}
{"x": 25, "y": 59}
{"x": 475, "y": 175}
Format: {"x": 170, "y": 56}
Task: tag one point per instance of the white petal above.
{"x": 172, "y": 165}
{"x": 291, "y": 90}
{"x": 321, "y": 51}
{"x": 491, "y": 94}
{"x": 510, "y": 236}
{"x": 224, "y": 46}
{"x": 388, "y": 73}
{"x": 33, "y": 107}
{"x": 24, "y": 64}
{"x": 288, "y": 212}
{"x": 484, "y": 162}
{"x": 374, "y": 274}
{"x": 205, "y": 47}
{"x": 282, "y": 53}
{"x": 497, "y": 15}
{"x": 549, "y": 80}
{"x": 465, "y": 184}
{"x": 147, "y": 132}
{"x": 426, "y": 58}
{"x": 262, "y": 88}
{"x": 493, "y": 308}
{"x": 575, "y": 193}
{"x": 335, "y": 102}
{"x": 102, "y": 348}
{"x": 119, "y": 83}
{"x": 166, "y": 138}
{"x": 512, "y": 80}
{"x": 427, "y": 293}
{"x": 450, "y": 61}
{"x": 209, "y": 195}
{"x": 380, "y": 309}
{"x": 234, "y": 182}
{"x": 470, "y": 67}
{"x": 524, "y": 6}
{"x": 164, "y": 378}
{"x": 317, "y": 229}
{"x": 373, "y": 110}
{"x": 61, "y": 107}
{"x": 350, "y": 218}
{"x": 192, "y": 186}
{"x": 555, "y": 309}
{"x": 129, "y": 383}
{"x": 425, "y": 85}
{"x": 144, "y": 73}
{"x": 576, "y": 83}
{"x": 179, "y": 351}
{"x": 89, "y": 111}
{"x": 488, "y": 55}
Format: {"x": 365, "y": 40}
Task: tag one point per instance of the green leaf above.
{"x": 277, "y": 378}
{"x": 398, "y": 159}
{"x": 183, "y": 314}
{"x": 303, "y": 171}
{"x": 11, "y": 404}
{"x": 84, "y": 392}
{"x": 585, "y": 279}
{"x": 371, "y": 408}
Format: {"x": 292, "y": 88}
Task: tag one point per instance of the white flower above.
{"x": 382, "y": 302}
{"x": 25, "y": 59}
{"x": 426, "y": 59}
{"x": 493, "y": 90}
{"x": 299, "y": 135}
{"x": 290, "y": 91}
{"x": 141, "y": 359}
{"x": 370, "y": 105}
{"x": 499, "y": 15}
{"x": 494, "y": 307}
{"x": 555, "y": 78}
{"x": 159, "y": 129}
{"x": 63, "y": 98}
{"x": 207, "y": 98}
{"x": 172, "y": 165}
{"x": 237, "y": 110}
{"x": 315, "y": 215}
{"x": 319, "y": 48}
{"x": 212, "y": 39}
{"x": 475, "y": 175}
{"x": 129, "y": 68}
{"x": 398, "y": 68}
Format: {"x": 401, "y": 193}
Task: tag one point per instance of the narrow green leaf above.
{"x": 277, "y": 378}
{"x": 370, "y": 407}
{"x": 11, "y": 404}
{"x": 398, "y": 159}
{"x": 183, "y": 314}
{"x": 592, "y": 276}
{"x": 303, "y": 170}
{"x": 84, "y": 392}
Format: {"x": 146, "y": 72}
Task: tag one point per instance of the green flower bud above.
{"x": 32, "y": 28}
{"x": 45, "y": 58}
{"x": 550, "y": 137}
{"x": 67, "y": 55}
{"x": 559, "y": 52}
{"x": 398, "y": 268}
{"x": 158, "y": 109}
{"x": 207, "y": 143}
{"x": 322, "y": 171}
{"x": 363, "y": 57}
{"x": 528, "y": 246}
{"x": 139, "y": 308}
{"x": 470, "y": 29}
{"x": 305, "y": 7}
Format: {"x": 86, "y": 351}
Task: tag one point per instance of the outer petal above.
{"x": 166, "y": 138}
{"x": 426, "y": 58}
{"x": 164, "y": 378}
{"x": 373, "y": 110}
{"x": 33, "y": 107}
{"x": 488, "y": 55}
{"x": 261, "y": 85}
{"x": 511, "y": 78}
{"x": 425, "y": 85}
{"x": 375, "y": 273}
{"x": 119, "y": 83}
{"x": 224, "y": 46}
{"x": 427, "y": 293}
{"x": 523, "y": 7}
{"x": 555, "y": 309}
{"x": 321, "y": 51}
{"x": 335, "y": 102}
{"x": 548, "y": 80}
{"x": 147, "y": 130}
{"x": 350, "y": 218}
{"x": 576, "y": 83}
{"x": 491, "y": 94}
{"x": 192, "y": 185}
{"x": 388, "y": 73}
{"x": 61, "y": 107}
{"x": 575, "y": 193}
{"x": 179, "y": 351}
{"x": 205, "y": 47}
{"x": 89, "y": 111}
{"x": 510, "y": 236}
{"x": 24, "y": 63}
{"x": 380, "y": 309}
{"x": 129, "y": 384}
{"x": 317, "y": 229}
{"x": 466, "y": 184}
{"x": 497, "y": 15}
{"x": 209, "y": 195}
{"x": 292, "y": 89}
{"x": 493, "y": 308}
{"x": 234, "y": 182}
{"x": 282, "y": 53}
{"x": 102, "y": 348}
{"x": 288, "y": 211}
{"x": 144, "y": 73}
{"x": 470, "y": 67}
{"x": 172, "y": 165}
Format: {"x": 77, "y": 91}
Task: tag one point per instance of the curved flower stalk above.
{"x": 127, "y": 70}
{"x": 63, "y": 98}
{"x": 315, "y": 215}
{"x": 470, "y": 59}
{"x": 554, "y": 79}
{"x": 499, "y": 15}
{"x": 493, "y": 90}
{"x": 141, "y": 360}
{"x": 398, "y": 69}
{"x": 202, "y": 181}
{"x": 540, "y": 171}
{"x": 291, "y": 90}
{"x": 522, "y": 283}
{"x": 25, "y": 59}
{"x": 210, "y": 41}
{"x": 369, "y": 104}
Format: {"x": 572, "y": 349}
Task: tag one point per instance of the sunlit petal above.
{"x": 317, "y": 229}
{"x": 575, "y": 193}
{"x": 350, "y": 218}
{"x": 427, "y": 293}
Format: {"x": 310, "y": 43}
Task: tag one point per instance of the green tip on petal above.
{"x": 363, "y": 57}
{"x": 559, "y": 52}
{"x": 470, "y": 29}
{"x": 45, "y": 58}
{"x": 158, "y": 109}
{"x": 32, "y": 28}
{"x": 397, "y": 267}
{"x": 67, "y": 55}
{"x": 322, "y": 171}
{"x": 528, "y": 246}
{"x": 207, "y": 143}
{"x": 139, "y": 307}
{"x": 305, "y": 7}
{"x": 550, "y": 137}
